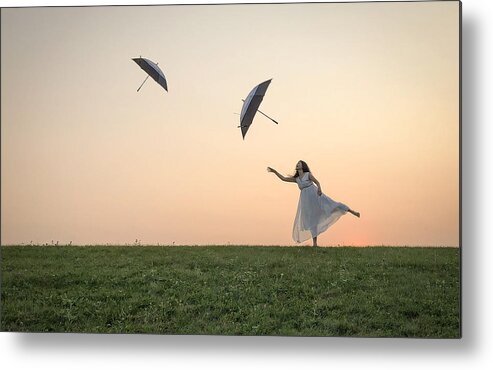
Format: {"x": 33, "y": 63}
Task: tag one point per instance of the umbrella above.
{"x": 250, "y": 106}
{"x": 152, "y": 70}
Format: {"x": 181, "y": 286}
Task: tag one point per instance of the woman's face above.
{"x": 299, "y": 166}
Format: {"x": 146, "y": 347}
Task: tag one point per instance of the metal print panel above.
{"x": 132, "y": 204}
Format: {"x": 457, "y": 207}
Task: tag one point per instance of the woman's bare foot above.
{"x": 357, "y": 214}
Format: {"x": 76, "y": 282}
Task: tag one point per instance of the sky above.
{"x": 366, "y": 93}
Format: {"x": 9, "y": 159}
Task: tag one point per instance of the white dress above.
{"x": 315, "y": 212}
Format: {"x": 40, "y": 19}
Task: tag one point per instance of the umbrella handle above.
{"x": 143, "y": 83}
{"x": 258, "y": 110}
{"x": 272, "y": 119}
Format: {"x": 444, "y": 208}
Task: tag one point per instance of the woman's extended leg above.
{"x": 315, "y": 242}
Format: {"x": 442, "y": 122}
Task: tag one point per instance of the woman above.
{"x": 316, "y": 211}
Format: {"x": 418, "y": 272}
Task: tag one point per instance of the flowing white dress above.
{"x": 315, "y": 212}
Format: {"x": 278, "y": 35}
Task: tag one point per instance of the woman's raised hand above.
{"x": 270, "y": 169}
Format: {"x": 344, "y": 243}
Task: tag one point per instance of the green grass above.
{"x": 234, "y": 290}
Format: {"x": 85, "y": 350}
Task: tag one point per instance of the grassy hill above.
{"x": 232, "y": 290}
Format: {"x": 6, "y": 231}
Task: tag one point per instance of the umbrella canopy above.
{"x": 152, "y": 70}
{"x": 251, "y": 104}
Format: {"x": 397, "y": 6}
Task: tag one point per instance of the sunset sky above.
{"x": 366, "y": 93}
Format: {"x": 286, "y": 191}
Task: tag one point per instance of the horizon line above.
{"x": 225, "y": 245}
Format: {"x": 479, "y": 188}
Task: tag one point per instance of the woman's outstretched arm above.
{"x": 283, "y": 178}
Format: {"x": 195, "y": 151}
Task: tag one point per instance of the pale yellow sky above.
{"x": 366, "y": 93}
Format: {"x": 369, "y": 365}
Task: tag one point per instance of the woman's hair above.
{"x": 304, "y": 167}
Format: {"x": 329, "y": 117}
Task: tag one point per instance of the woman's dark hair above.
{"x": 304, "y": 167}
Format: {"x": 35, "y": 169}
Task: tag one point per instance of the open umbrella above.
{"x": 250, "y": 106}
{"x": 152, "y": 70}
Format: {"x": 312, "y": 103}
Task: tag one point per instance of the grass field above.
{"x": 232, "y": 290}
